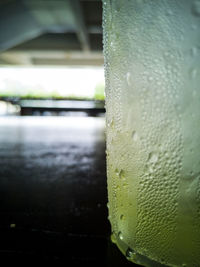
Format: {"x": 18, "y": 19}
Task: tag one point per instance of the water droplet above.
{"x": 117, "y": 172}
{"x": 122, "y": 217}
{"x": 117, "y": 187}
{"x": 196, "y": 8}
{"x": 134, "y": 136}
{"x": 141, "y": 184}
{"x": 122, "y": 174}
{"x": 128, "y": 78}
{"x": 150, "y": 78}
{"x": 111, "y": 123}
{"x": 130, "y": 253}
{"x": 193, "y": 73}
{"x": 120, "y": 235}
{"x": 194, "y": 51}
{"x": 153, "y": 157}
{"x": 125, "y": 185}
{"x": 191, "y": 173}
{"x": 169, "y": 12}
{"x": 113, "y": 238}
{"x": 194, "y": 27}
{"x": 118, "y": 5}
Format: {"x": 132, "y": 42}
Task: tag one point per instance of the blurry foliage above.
{"x": 99, "y": 91}
{"x": 19, "y": 90}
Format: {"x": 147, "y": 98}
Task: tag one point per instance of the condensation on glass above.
{"x": 152, "y": 73}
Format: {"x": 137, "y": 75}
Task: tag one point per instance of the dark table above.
{"x": 53, "y": 193}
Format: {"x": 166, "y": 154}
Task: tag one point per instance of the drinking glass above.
{"x": 152, "y": 75}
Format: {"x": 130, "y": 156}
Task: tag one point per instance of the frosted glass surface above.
{"x": 152, "y": 73}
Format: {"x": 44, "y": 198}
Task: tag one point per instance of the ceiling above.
{"x": 51, "y": 32}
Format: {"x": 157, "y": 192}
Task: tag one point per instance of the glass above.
{"x": 152, "y": 74}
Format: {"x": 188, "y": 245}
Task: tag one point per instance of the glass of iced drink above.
{"x": 152, "y": 73}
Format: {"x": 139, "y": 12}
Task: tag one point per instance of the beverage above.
{"x": 152, "y": 73}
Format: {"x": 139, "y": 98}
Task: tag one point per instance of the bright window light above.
{"x": 52, "y": 82}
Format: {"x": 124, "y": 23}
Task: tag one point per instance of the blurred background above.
{"x": 51, "y": 50}
{"x": 53, "y": 194}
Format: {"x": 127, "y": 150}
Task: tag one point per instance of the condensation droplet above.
{"x": 110, "y": 123}
{"x": 122, "y": 174}
{"x": 193, "y": 73}
{"x": 130, "y": 253}
{"x": 128, "y": 78}
{"x": 117, "y": 172}
{"x": 153, "y": 157}
{"x": 120, "y": 235}
{"x": 169, "y": 12}
{"x": 122, "y": 217}
{"x": 134, "y": 136}
{"x": 118, "y": 5}
{"x": 125, "y": 185}
{"x": 113, "y": 238}
{"x": 194, "y": 27}
{"x": 194, "y": 51}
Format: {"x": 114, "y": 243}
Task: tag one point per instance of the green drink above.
{"x": 152, "y": 72}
